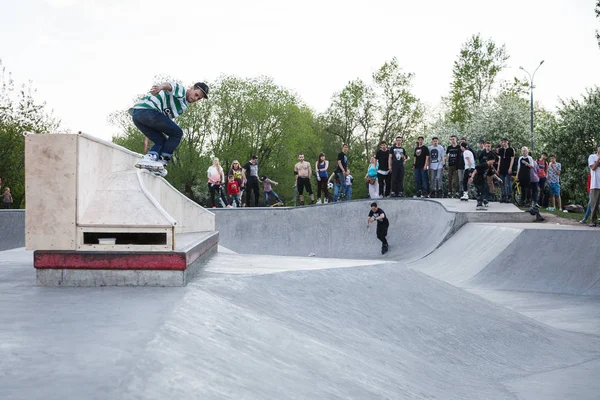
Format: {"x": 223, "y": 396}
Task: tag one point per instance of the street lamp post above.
{"x": 531, "y": 100}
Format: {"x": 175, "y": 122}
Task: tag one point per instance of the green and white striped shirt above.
{"x": 172, "y": 103}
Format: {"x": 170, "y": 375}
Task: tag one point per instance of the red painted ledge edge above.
{"x": 112, "y": 261}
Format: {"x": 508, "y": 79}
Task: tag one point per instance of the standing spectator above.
{"x": 481, "y": 149}
{"x": 461, "y": 166}
{"x": 588, "y": 210}
{"x": 554, "y": 170}
{"x": 505, "y": 169}
{"x": 250, "y": 180}
{"x": 348, "y": 185}
{"x": 451, "y": 158}
{"x": 524, "y": 165}
{"x": 7, "y": 198}
{"x": 420, "y": 166}
{"x": 303, "y": 173}
{"x": 237, "y": 173}
{"x": 594, "y": 162}
{"x": 377, "y": 214}
{"x": 488, "y": 187}
{"x": 469, "y": 160}
{"x": 436, "y": 168}
{"x": 542, "y": 165}
{"x": 267, "y": 188}
{"x": 342, "y": 167}
{"x": 396, "y": 161}
{"x": 371, "y": 179}
{"x": 534, "y": 180}
{"x": 215, "y": 179}
{"x": 233, "y": 191}
{"x": 383, "y": 174}
{"x": 321, "y": 167}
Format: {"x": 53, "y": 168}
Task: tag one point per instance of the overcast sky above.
{"x": 89, "y": 58}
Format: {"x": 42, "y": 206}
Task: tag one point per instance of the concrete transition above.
{"x": 459, "y": 308}
{"x": 12, "y": 229}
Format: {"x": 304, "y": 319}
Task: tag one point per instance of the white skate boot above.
{"x": 465, "y": 196}
{"x": 150, "y": 162}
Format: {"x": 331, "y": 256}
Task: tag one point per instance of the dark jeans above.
{"x": 541, "y": 187}
{"x": 533, "y": 186}
{"x": 271, "y": 193}
{"x": 466, "y": 179}
{"x": 481, "y": 189}
{"x": 398, "y": 179}
{"x": 382, "y": 229}
{"x": 384, "y": 180}
{"x": 215, "y": 191}
{"x": 235, "y": 198}
{"x": 6, "y": 205}
{"x": 322, "y": 188}
{"x": 155, "y": 125}
{"x": 420, "y": 180}
{"x": 252, "y": 186}
{"x": 453, "y": 177}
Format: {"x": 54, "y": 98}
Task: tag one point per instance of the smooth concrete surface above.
{"x": 12, "y": 229}
{"x": 417, "y": 227}
{"x": 359, "y": 332}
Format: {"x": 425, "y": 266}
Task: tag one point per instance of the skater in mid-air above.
{"x": 377, "y": 214}
{"x": 154, "y": 115}
{"x": 479, "y": 177}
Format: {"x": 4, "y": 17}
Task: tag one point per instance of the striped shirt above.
{"x": 172, "y": 104}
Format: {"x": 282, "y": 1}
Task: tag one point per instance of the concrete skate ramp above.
{"x": 506, "y": 257}
{"x": 12, "y": 229}
{"x": 364, "y": 332}
{"x": 417, "y": 227}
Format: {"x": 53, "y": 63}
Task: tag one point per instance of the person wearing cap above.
{"x": 153, "y": 115}
{"x": 250, "y": 180}
{"x": 594, "y": 163}
{"x": 507, "y": 159}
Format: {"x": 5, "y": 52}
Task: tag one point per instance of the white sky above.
{"x": 89, "y": 58}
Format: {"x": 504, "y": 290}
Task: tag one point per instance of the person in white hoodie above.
{"x": 469, "y": 159}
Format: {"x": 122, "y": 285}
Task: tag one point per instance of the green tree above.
{"x": 573, "y": 140}
{"x": 400, "y": 111}
{"x": 474, "y": 74}
{"x": 19, "y": 113}
{"x": 347, "y": 113}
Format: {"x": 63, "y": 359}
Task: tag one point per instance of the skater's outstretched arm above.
{"x": 154, "y": 90}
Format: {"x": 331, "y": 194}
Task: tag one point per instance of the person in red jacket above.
{"x": 233, "y": 192}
